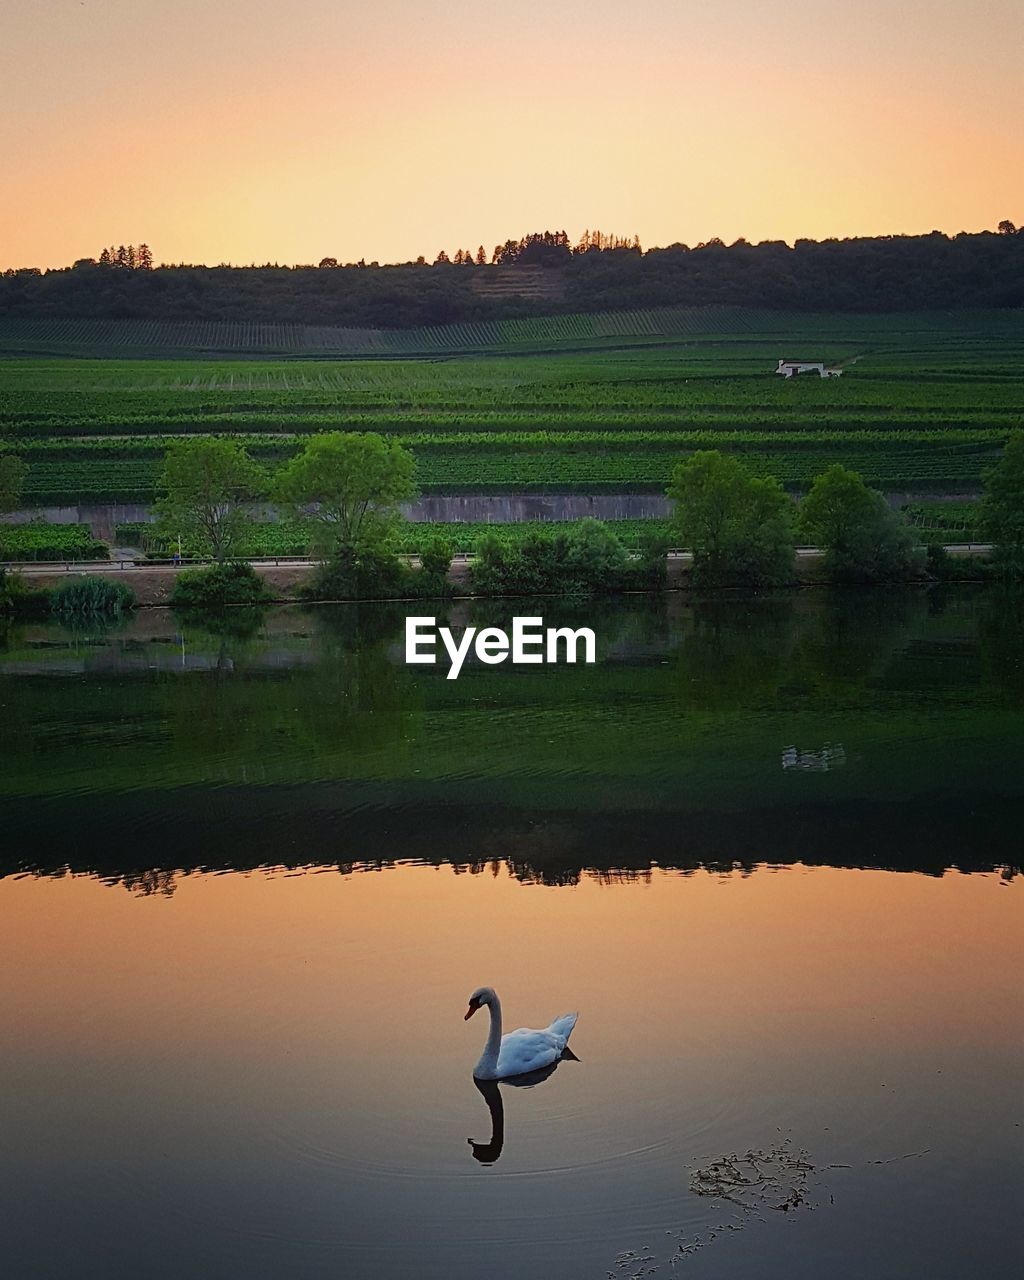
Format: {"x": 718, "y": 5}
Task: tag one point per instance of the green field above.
{"x": 924, "y": 404}
{"x": 39, "y": 541}
{"x": 295, "y": 537}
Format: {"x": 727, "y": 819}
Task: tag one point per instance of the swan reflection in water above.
{"x": 489, "y": 1152}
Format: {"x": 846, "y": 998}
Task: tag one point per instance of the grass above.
{"x": 87, "y": 599}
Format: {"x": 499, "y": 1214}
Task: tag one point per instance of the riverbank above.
{"x": 153, "y": 584}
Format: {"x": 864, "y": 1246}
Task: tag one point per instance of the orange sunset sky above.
{"x": 287, "y": 130}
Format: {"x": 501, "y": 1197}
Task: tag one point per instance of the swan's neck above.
{"x": 487, "y": 1067}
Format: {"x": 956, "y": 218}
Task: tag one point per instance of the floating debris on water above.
{"x": 773, "y": 1179}
{"x": 756, "y": 1183}
{"x": 634, "y": 1264}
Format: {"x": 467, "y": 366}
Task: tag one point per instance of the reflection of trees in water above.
{"x": 145, "y": 884}
{"x": 643, "y": 625}
{"x": 1001, "y": 636}
{"x": 230, "y": 624}
{"x": 228, "y": 829}
{"x": 734, "y": 651}
{"x": 851, "y": 639}
{"x": 327, "y": 706}
{"x": 351, "y": 701}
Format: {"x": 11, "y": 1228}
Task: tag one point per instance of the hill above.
{"x": 598, "y": 404}
{"x": 876, "y": 274}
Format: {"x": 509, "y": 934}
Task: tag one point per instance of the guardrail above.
{"x": 458, "y": 557}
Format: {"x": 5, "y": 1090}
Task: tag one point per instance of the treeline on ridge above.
{"x": 870, "y": 274}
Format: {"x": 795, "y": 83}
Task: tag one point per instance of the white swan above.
{"x": 522, "y": 1051}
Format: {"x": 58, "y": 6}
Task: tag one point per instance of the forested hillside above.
{"x": 880, "y": 274}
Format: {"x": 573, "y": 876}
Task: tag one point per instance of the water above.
{"x": 768, "y": 848}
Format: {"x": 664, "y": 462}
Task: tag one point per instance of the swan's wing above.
{"x": 562, "y": 1027}
{"x": 526, "y": 1050}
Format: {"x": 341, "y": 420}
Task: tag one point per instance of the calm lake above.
{"x": 768, "y": 848}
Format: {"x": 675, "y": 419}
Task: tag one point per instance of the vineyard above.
{"x": 182, "y": 338}
{"x": 294, "y": 538}
{"x": 924, "y": 405}
{"x": 39, "y": 541}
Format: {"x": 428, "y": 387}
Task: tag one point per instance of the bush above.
{"x": 233, "y": 582}
{"x": 585, "y": 559}
{"x": 651, "y": 568}
{"x": 20, "y": 601}
{"x": 373, "y": 574}
{"x": 436, "y": 555}
{"x": 946, "y": 568}
{"x": 92, "y": 598}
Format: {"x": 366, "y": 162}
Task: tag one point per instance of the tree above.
{"x": 12, "y": 476}
{"x": 739, "y": 527}
{"x": 205, "y": 484}
{"x": 442, "y": 257}
{"x": 1006, "y": 228}
{"x": 106, "y": 258}
{"x": 481, "y": 257}
{"x": 328, "y": 263}
{"x": 864, "y": 540}
{"x": 144, "y": 258}
{"x": 356, "y": 481}
{"x": 1002, "y": 508}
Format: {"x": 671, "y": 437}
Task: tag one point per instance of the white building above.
{"x": 788, "y": 367}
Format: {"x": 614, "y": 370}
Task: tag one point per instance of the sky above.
{"x": 263, "y": 130}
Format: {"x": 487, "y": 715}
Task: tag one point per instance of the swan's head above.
{"x": 482, "y": 995}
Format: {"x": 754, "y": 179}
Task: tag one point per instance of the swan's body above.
{"x": 522, "y": 1051}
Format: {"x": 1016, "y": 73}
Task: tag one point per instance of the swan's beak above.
{"x": 470, "y": 1011}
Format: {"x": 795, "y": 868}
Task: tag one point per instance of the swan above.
{"x": 522, "y": 1051}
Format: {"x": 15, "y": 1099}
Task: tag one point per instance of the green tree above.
{"x": 12, "y": 476}
{"x": 739, "y": 527}
{"x": 205, "y": 484}
{"x": 1002, "y": 508}
{"x": 355, "y": 480}
{"x": 864, "y": 540}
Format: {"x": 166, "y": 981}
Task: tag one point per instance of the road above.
{"x": 303, "y": 562}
